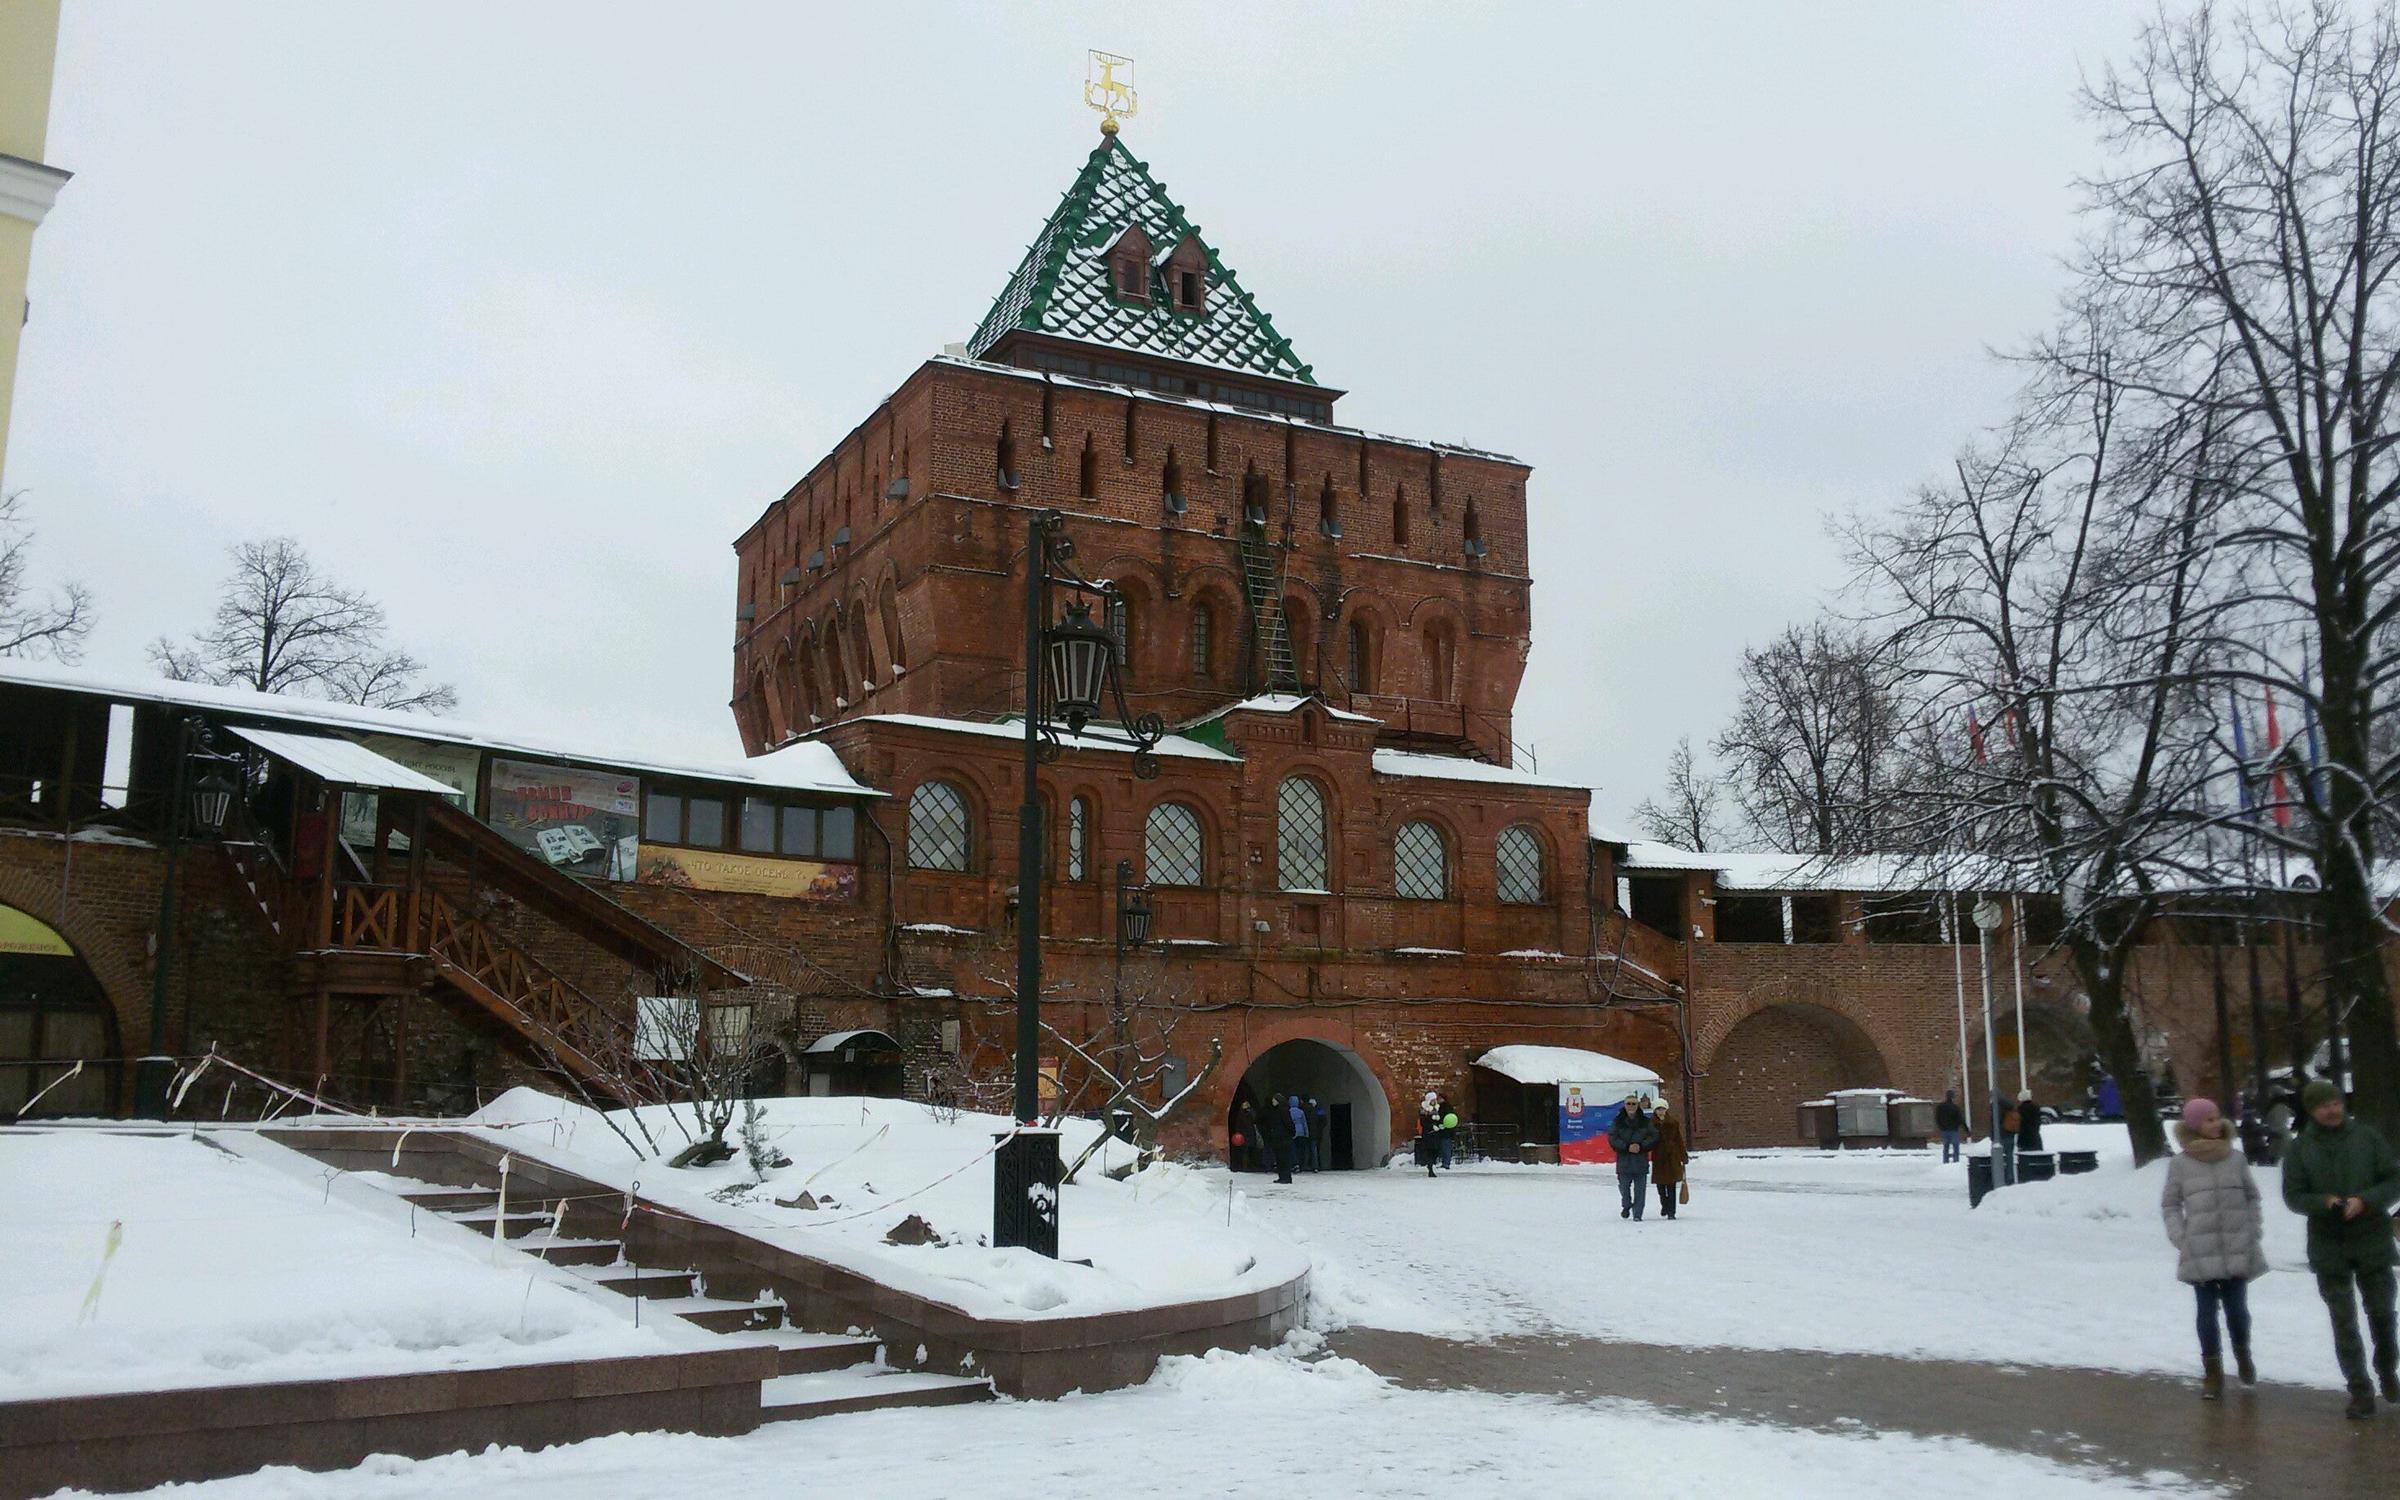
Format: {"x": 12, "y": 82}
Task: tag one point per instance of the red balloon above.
{"x": 1237, "y": 1137}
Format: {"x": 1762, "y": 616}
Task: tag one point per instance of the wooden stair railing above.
{"x": 561, "y": 1022}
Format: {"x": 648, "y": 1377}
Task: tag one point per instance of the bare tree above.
{"x": 282, "y": 626}
{"x": 52, "y": 625}
{"x": 1688, "y": 813}
{"x": 1812, "y": 745}
{"x": 2245, "y": 248}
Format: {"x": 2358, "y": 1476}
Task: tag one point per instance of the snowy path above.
{"x": 1858, "y": 1253}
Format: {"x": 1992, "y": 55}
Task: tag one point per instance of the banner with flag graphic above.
{"x": 2279, "y": 806}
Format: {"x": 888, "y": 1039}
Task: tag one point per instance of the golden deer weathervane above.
{"x": 1108, "y": 88}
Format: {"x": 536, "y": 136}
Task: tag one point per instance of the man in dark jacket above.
{"x": 1275, "y": 1129}
{"x": 1633, "y": 1137}
{"x": 1951, "y": 1121}
{"x": 2342, "y": 1174}
{"x": 2029, "y": 1122}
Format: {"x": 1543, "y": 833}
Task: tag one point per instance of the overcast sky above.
{"x": 517, "y": 314}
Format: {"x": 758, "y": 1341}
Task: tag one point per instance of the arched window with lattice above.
{"x": 1301, "y": 848}
{"x": 1173, "y": 852}
{"x": 940, "y": 831}
{"x": 1420, "y": 863}
{"x": 1079, "y": 833}
{"x": 1519, "y": 859}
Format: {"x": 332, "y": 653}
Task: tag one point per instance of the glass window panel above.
{"x": 74, "y": 1033}
{"x": 937, "y": 827}
{"x": 1171, "y": 852}
{"x": 1078, "y": 816}
{"x": 1420, "y": 863}
{"x": 662, "y": 818}
{"x": 1300, "y": 847}
{"x": 704, "y": 822}
{"x": 800, "y": 830}
{"x": 16, "y": 1034}
{"x": 758, "y": 826}
{"x": 1520, "y": 866}
{"x": 837, "y": 833}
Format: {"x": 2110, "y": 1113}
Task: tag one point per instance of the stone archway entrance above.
{"x": 1776, "y": 1059}
{"x": 53, "y": 1015}
{"x": 1359, "y": 1117}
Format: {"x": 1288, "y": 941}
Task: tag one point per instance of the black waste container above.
{"x": 2036, "y": 1166}
{"x": 1979, "y": 1179}
{"x": 2073, "y": 1163}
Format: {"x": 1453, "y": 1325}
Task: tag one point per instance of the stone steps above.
{"x": 789, "y": 1398}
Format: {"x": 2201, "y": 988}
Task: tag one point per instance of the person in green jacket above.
{"x": 2342, "y": 1175}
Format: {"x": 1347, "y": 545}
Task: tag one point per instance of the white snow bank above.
{"x": 1234, "y": 1425}
{"x": 228, "y": 1271}
{"x": 1535, "y": 1064}
{"x": 1161, "y": 1236}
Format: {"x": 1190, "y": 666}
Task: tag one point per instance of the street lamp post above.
{"x": 1072, "y": 672}
{"x": 1989, "y": 915}
{"x": 1133, "y": 931}
{"x": 202, "y": 807}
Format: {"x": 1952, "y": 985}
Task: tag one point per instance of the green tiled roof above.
{"x": 1063, "y": 288}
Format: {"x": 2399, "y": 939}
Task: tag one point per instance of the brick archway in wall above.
{"x": 1248, "y": 1041}
{"x": 1787, "y": 1041}
{"x": 122, "y": 979}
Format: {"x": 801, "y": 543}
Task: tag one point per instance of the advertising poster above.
{"x": 1583, "y": 1121}
{"x": 454, "y": 766}
{"x": 578, "y": 821}
{"x": 717, "y": 870}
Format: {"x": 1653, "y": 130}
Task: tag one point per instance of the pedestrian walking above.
{"x": 1429, "y": 1123}
{"x": 1322, "y": 1119}
{"x": 1274, "y": 1122}
{"x": 1247, "y": 1142}
{"x": 1632, "y": 1137}
{"x": 1446, "y": 1131}
{"x": 2211, "y": 1206}
{"x": 2029, "y": 1122}
{"x": 2342, "y": 1175}
{"x": 1304, "y": 1145}
{"x": 1668, "y": 1158}
{"x": 1951, "y": 1121}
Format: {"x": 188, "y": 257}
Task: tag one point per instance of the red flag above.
{"x": 1975, "y": 734}
{"x": 2278, "y": 795}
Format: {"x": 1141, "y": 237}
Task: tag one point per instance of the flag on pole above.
{"x": 2280, "y": 808}
{"x": 1975, "y": 735}
{"x": 2241, "y": 749}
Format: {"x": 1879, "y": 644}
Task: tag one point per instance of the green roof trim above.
{"x": 1062, "y": 287}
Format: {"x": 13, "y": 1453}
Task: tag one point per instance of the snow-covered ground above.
{"x": 1795, "y": 1249}
{"x": 1231, "y": 1425}
{"x": 227, "y": 1271}
{"x": 869, "y": 1164}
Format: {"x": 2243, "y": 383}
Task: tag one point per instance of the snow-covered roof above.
{"x": 1173, "y": 744}
{"x": 1460, "y": 768}
{"x": 1768, "y": 873}
{"x": 341, "y": 762}
{"x": 1535, "y": 1064}
{"x": 1280, "y": 703}
{"x": 803, "y": 767}
{"x": 835, "y": 1041}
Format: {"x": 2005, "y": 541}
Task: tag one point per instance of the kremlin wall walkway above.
{"x": 2276, "y": 1440}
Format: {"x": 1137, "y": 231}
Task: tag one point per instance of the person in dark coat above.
{"x": 1633, "y": 1137}
{"x": 2341, "y": 1173}
{"x": 1322, "y": 1119}
{"x": 1951, "y": 1121}
{"x": 1276, "y": 1132}
{"x": 1249, "y": 1147}
{"x": 2029, "y": 1122}
{"x": 1668, "y": 1160}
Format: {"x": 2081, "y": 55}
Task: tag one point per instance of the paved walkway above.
{"x": 2275, "y": 1441}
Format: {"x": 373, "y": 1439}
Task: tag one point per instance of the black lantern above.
{"x": 1133, "y": 917}
{"x": 1079, "y": 655}
{"x": 212, "y": 801}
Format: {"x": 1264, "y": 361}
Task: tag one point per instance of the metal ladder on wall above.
{"x": 1270, "y": 634}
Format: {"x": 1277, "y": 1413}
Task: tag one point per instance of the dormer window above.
{"x": 1186, "y": 275}
{"x": 1129, "y": 266}
{"x": 1187, "y": 292}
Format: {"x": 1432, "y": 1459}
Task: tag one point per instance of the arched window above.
{"x": 1441, "y": 660}
{"x": 1420, "y": 863}
{"x": 1329, "y": 518}
{"x": 939, "y": 834}
{"x": 1204, "y": 629}
{"x": 1087, "y": 474}
{"x": 1006, "y": 456}
{"x": 1170, "y": 481}
{"x": 890, "y": 604}
{"x": 1400, "y": 515}
{"x": 1519, "y": 859}
{"x": 1172, "y": 853}
{"x": 1361, "y": 660}
{"x": 1079, "y": 824}
{"x": 1300, "y": 844}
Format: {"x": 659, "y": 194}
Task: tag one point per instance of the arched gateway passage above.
{"x": 53, "y": 1016}
{"x": 1777, "y": 1058}
{"x": 1360, "y": 1123}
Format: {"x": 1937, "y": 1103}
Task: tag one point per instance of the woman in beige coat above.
{"x": 2212, "y": 1211}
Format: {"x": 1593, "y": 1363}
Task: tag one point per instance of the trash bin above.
{"x": 1979, "y": 1179}
{"x": 2073, "y": 1163}
{"x": 2036, "y": 1166}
